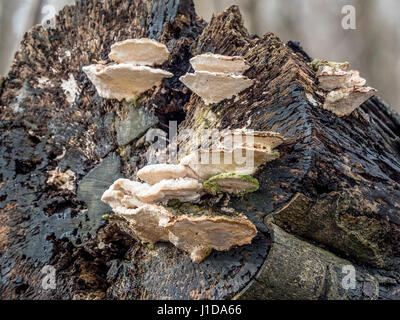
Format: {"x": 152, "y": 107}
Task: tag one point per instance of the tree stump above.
{"x": 332, "y": 199}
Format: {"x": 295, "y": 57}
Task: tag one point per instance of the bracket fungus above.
{"x": 144, "y": 52}
{"x": 217, "y": 77}
{"x": 240, "y": 160}
{"x": 148, "y": 222}
{"x": 345, "y": 88}
{"x": 198, "y": 235}
{"x": 157, "y": 172}
{"x": 182, "y": 189}
{"x": 152, "y": 223}
{"x": 238, "y": 151}
{"x": 124, "y": 81}
{"x": 268, "y": 140}
{"x": 132, "y": 75}
{"x": 227, "y": 170}
{"x": 219, "y": 63}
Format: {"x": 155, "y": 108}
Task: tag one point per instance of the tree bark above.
{"x": 335, "y": 187}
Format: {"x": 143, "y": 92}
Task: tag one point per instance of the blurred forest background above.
{"x": 373, "y": 48}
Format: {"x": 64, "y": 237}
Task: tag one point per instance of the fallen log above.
{"x": 330, "y": 200}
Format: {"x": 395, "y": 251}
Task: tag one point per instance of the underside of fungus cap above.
{"x": 345, "y": 100}
{"x": 148, "y": 222}
{"x": 142, "y": 51}
{"x": 190, "y": 233}
{"x": 240, "y": 160}
{"x": 214, "y": 87}
{"x": 158, "y": 172}
{"x": 124, "y": 81}
{"x": 250, "y": 138}
{"x": 219, "y": 63}
{"x": 182, "y": 189}
{"x": 231, "y": 183}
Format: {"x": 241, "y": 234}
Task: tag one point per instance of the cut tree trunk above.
{"x": 332, "y": 199}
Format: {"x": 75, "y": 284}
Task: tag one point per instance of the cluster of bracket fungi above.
{"x": 132, "y": 71}
{"x": 344, "y": 89}
{"x": 144, "y": 205}
{"x": 226, "y": 166}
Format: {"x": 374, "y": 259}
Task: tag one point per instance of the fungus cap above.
{"x": 214, "y": 87}
{"x": 157, "y": 172}
{"x": 142, "y": 51}
{"x": 250, "y": 138}
{"x": 122, "y": 193}
{"x": 332, "y": 78}
{"x": 219, "y": 63}
{"x": 239, "y": 160}
{"x": 182, "y": 189}
{"x": 148, "y": 222}
{"x": 190, "y": 233}
{"x": 345, "y": 100}
{"x": 124, "y": 81}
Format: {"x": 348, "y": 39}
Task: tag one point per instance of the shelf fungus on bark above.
{"x": 240, "y": 160}
{"x": 145, "y": 52}
{"x": 225, "y": 167}
{"x": 219, "y": 63}
{"x": 345, "y": 89}
{"x": 199, "y": 235}
{"x": 123, "y": 193}
{"x": 217, "y": 77}
{"x": 152, "y": 223}
{"x": 148, "y": 222}
{"x": 238, "y": 151}
{"x": 249, "y": 138}
{"x": 232, "y": 183}
{"x": 124, "y": 81}
{"x": 157, "y": 172}
{"x": 182, "y": 189}
{"x": 133, "y": 74}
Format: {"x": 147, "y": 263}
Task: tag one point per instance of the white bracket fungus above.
{"x": 157, "y": 172}
{"x": 143, "y": 52}
{"x": 148, "y": 222}
{"x": 240, "y": 160}
{"x": 344, "y": 101}
{"x": 345, "y": 88}
{"x": 182, "y": 189}
{"x": 137, "y": 202}
{"x": 217, "y": 77}
{"x": 254, "y": 139}
{"x": 239, "y": 152}
{"x": 198, "y": 235}
{"x": 124, "y": 81}
{"x": 133, "y": 74}
{"x": 219, "y": 63}
{"x": 152, "y": 223}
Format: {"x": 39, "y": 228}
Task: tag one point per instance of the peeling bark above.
{"x": 347, "y": 169}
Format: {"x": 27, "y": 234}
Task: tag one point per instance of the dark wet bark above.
{"x": 336, "y": 184}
